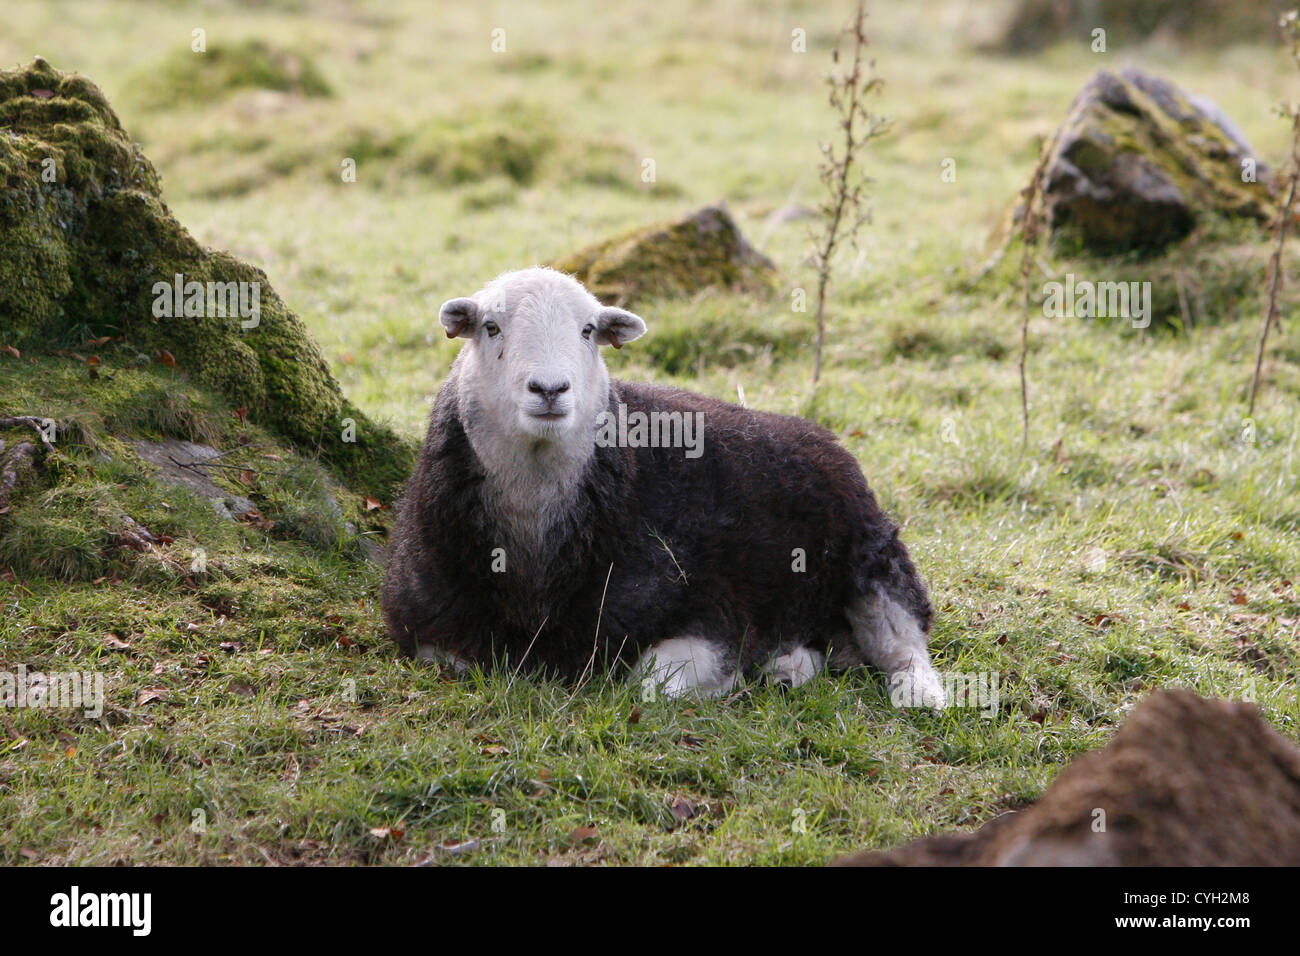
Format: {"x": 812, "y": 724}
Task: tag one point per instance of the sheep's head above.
{"x": 532, "y": 362}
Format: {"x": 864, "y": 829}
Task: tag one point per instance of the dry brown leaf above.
{"x": 151, "y": 694}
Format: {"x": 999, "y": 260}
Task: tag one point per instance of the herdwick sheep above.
{"x": 562, "y": 522}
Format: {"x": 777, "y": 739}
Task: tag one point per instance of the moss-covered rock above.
{"x": 90, "y": 244}
{"x": 704, "y": 250}
{"x": 1035, "y": 24}
{"x": 1138, "y": 162}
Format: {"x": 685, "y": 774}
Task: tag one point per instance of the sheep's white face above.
{"x": 532, "y": 365}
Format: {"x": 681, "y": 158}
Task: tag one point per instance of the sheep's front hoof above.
{"x": 917, "y": 685}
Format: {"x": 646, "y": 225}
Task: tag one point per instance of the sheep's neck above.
{"x": 532, "y": 487}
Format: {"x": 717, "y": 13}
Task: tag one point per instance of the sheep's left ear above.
{"x": 459, "y": 317}
{"x": 617, "y": 327}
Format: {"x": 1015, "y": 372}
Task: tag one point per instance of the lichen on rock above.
{"x": 703, "y": 250}
{"x": 88, "y": 238}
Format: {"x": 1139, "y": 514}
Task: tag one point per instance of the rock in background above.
{"x": 703, "y": 250}
{"x": 1138, "y": 162}
{"x": 1186, "y": 782}
{"x": 1036, "y": 24}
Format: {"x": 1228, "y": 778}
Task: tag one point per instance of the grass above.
{"x": 1147, "y": 538}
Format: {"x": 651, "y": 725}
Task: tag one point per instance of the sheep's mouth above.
{"x": 552, "y": 415}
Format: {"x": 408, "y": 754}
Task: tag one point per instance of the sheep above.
{"x": 541, "y": 531}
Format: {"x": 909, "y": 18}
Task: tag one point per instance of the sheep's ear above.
{"x": 459, "y": 317}
{"x": 617, "y": 327}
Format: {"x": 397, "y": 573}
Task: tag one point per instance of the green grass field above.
{"x": 1146, "y": 538}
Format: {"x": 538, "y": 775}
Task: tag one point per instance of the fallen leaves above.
{"x": 151, "y": 695}
{"x": 256, "y": 519}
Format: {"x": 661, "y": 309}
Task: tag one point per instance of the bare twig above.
{"x": 1272, "y": 315}
{"x": 1030, "y": 232}
{"x": 843, "y": 212}
{"x": 1290, "y": 24}
{"x": 196, "y": 465}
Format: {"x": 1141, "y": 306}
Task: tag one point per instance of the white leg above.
{"x": 437, "y": 655}
{"x": 795, "y": 667}
{"x": 890, "y": 638}
{"x": 687, "y": 665}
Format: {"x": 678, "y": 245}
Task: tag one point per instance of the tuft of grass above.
{"x": 187, "y": 76}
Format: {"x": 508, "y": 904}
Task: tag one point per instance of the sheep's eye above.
{"x": 492, "y": 329}
{"x": 586, "y": 333}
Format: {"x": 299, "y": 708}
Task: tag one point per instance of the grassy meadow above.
{"x": 1147, "y": 537}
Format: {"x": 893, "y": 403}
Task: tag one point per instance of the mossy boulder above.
{"x": 1138, "y": 162}
{"x": 703, "y": 250}
{"x": 1035, "y": 24}
{"x": 88, "y": 240}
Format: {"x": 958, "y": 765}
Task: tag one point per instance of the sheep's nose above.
{"x": 548, "y": 391}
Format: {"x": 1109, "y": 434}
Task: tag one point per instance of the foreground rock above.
{"x": 1138, "y": 162}
{"x": 704, "y": 250}
{"x": 1186, "y": 782}
{"x": 87, "y": 237}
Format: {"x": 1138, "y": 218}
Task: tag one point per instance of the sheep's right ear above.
{"x": 459, "y": 317}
